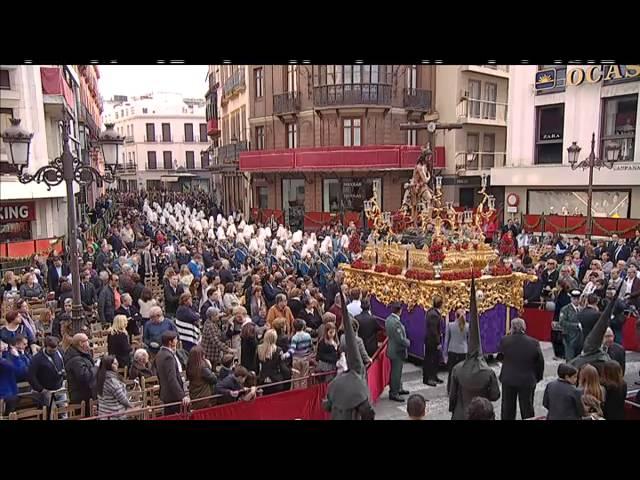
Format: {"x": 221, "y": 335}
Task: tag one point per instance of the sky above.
{"x": 131, "y": 80}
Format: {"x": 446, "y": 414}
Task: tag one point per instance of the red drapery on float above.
{"x": 302, "y": 404}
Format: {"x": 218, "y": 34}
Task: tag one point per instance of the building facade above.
{"x": 552, "y": 106}
{"x": 39, "y": 96}
{"x": 165, "y": 141}
{"x": 475, "y": 97}
{"x": 320, "y": 136}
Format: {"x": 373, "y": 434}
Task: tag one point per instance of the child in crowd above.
{"x": 561, "y": 397}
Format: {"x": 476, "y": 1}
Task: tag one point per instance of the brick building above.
{"x": 316, "y": 134}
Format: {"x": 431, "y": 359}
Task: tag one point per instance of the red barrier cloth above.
{"x": 630, "y": 340}
{"x": 538, "y": 323}
{"x": 379, "y": 373}
{"x": 304, "y": 404}
{"x": 631, "y": 408}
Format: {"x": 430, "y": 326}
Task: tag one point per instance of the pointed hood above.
{"x": 475, "y": 343}
{"x": 354, "y": 360}
{"x": 593, "y": 342}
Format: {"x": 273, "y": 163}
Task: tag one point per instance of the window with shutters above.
{"x": 152, "y": 163}
{"x": 166, "y": 160}
{"x": 151, "y": 132}
{"x": 190, "y": 160}
{"x": 188, "y": 132}
{"x": 166, "y": 132}
{"x": 203, "y": 133}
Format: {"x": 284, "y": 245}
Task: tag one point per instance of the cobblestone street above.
{"x": 438, "y": 402}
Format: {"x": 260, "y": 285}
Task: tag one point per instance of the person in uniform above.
{"x": 473, "y": 377}
{"x": 571, "y": 327}
{"x": 397, "y": 351}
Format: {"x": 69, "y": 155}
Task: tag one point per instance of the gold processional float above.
{"x": 393, "y": 269}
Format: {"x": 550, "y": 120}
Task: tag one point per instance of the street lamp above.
{"x": 611, "y": 156}
{"x": 65, "y": 168}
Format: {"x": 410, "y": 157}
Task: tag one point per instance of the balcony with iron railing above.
{"x": 230, "y": 153}
{"x": 127, "y": 167}
{"x": 128, "y": 139}
{"x": 482, "y": 112}
{"x": 474, "y": 161}
{"x": 233, "y": 85}
{"x": 153, "y": 139}
{"x": 286, "y": 103}
{"x": 417, "y": 99}
{"x": 494, "y": 70}
{"x": 352, "y": 94}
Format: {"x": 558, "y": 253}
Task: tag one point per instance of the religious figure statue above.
{"x": 418, "y": 190}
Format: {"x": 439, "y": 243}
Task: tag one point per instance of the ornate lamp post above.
{"x": 65, "y": 168}
{"x": 612, "y": 155}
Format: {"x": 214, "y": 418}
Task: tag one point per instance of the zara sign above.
{"x": 17, "y": 212}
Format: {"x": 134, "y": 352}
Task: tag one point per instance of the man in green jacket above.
{"x": 571, "y": 327}
{"x": 397, "y": 351}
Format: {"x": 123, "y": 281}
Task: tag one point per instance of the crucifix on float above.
{"x": 421, "y": 186}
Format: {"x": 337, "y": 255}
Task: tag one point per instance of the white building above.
{"x": 37, "y": 95}
{"x": 474, "y": 96}
{"x": 551, "y": 106}
{"x": 165, "y": 136}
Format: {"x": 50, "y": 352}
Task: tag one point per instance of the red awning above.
{"x": 369, "y": 157}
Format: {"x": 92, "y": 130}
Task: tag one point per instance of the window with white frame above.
{"x": 351, "y": 132}
{"x": 619, "y": 125}
{"x": 292, "y": 135}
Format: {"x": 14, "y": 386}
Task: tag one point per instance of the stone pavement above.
{"x": 438, "y": 402}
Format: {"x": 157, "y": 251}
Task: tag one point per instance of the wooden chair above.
{"x": 122, "y": 371}
{"x": 149, "y": 382}
{"x": 136, "y": 341}
{"x": 31, "y": 414}
{"x": 93, "y": 407}
{"x": 73, "y": 412}
{"x": 99, "y": 351}
{"x": 151, "y": 396}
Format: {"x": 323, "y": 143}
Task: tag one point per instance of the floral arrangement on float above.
{"x": 436, "y": 252}
{"x": 460, "y": 274}
{"x": 394, "y": 270}
{"x": 507, "y": 248}
{"x": 381, "y": 268}
{"x": 501, "y": 270}
{"x": 419, "y": 274}
{"x": 361, "y": 265}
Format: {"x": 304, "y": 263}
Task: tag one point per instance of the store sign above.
{"x": 455, "y": 180}
{"x": 17, "y": 212}
{"x": 546, "y": 79}
{"x": 629, "y": 167}
{"x": 551, "y": 136}
{"x": 597, "y": 73}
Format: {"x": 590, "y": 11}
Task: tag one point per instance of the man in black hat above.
{"x": 571, "y": 327}
{"x": 473, "y": 377}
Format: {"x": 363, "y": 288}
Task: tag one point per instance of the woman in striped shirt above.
{"x": 112, "y": 393}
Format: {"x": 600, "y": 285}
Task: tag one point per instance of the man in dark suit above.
{"x": 522, "y": 369}
{"x": 87, "y": 291}
{"x": 432, "y": 345}
{"x": 615, "y": 350}
{"x": 102, "y": 259}
{"x": 630, "y": 292}
{"x": 107, "y": 301}
{"x": 169, "y": 374}
{"x": 172, "y": 291}
{"x": 575, "y": 245}
{"x": 589, "y": 315}
{"x": 532, "y": 290}
{"x": 369, "y": 327}
{"x": 270, "y": 291}
{"x": 58, "y": 271}
{"x": 621, "y": 251}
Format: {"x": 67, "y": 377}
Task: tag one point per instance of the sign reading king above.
{"x": 17, "y": 212}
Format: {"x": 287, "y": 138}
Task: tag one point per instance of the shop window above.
{"x": 293, "y": 202}
{"x": 565, "y": 202}
{"x": 549, "y": 133}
